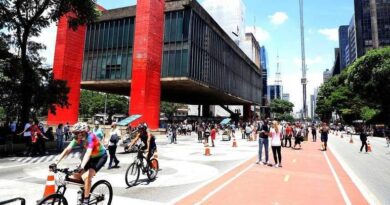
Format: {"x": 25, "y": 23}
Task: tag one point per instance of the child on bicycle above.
{"x": 93, "y": 160}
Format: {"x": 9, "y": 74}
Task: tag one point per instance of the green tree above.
{"x": 369, "y": 79}
{"x": 281, "y": 109}
{"x": 169, "y": 108}
{"x": 92, "y": 103}
{"x": 20, "y": 21}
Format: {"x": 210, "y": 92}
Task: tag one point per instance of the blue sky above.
{"x": 277, "y": 27}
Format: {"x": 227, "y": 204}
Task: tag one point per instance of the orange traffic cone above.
{"x": 341, "y": 136}
{"x": 50, "y": 187}
{"x": 369, "y": 149}
{"x": 207, "y": 150}
{"x": 337, "y": 134}
{"x": 351, "y": 141}
{"x": 234, "y": 142}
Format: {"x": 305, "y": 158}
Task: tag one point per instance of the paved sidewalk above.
{"x": 308, "y": 176}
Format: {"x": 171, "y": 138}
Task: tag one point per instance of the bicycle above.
{"x": 140, "y": 164}
{"x": 101, "y": 191}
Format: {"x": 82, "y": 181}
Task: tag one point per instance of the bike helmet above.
{"x": 80, "y": 127}
{"x": 142, "y": 126}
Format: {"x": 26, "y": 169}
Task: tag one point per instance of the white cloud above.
{"x": 278, "y": 18}
{"x": 260, "y": 34}
{"x": 309, "y": 61}
{"x": 331, "y": 34}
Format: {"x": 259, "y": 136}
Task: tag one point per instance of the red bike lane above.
{"x": 308, "y": 176}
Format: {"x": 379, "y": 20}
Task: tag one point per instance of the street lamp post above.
{"x": 303, "y": 80}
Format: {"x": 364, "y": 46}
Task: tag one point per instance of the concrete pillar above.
{"x": 206, "y": 111}
{"x": 247, "y": 112}
{"x": 68, "y": 61}
{"x": 147, "y": 57}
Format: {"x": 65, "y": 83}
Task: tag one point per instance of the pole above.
{"x": 303, "y": 80}
{"x": 105, "y": 110}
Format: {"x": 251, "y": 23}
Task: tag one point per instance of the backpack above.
{"x": 114, "y": 138}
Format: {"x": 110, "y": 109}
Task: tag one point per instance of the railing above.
{"x": 22, "y": 201}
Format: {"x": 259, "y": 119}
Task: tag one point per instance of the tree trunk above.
{"x": 26, "y": 84}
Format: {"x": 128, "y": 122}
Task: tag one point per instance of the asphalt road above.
{"x": 371, "y": 172}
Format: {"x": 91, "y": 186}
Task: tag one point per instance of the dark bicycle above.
{"x": 140, "y": 164}
{"x": 101, "y": 191}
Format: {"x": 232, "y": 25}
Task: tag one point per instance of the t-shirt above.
{"x": 99, "y": 133}
{"x": 276, "y": 138}
{"x": 289, "y": 131}
{"x": 27, "y": 133}
{"x": 264, "y": 128}
{"x": 213, "y": 133}
{"x": 92, "y": 142}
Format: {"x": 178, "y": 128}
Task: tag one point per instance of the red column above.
{"x": 68, "y": 60}
{"x": 147, "y": 55}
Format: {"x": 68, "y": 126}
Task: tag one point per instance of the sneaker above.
{"x": 258, "y": 162}
{"x": 116, "y": 164}
{"x": 276, "y": 165}
{"x": 280, "y": 165}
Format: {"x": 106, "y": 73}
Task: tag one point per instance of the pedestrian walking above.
{"x": 98, "y": 131}
{"x": 60, "y": 137}
{"x": 314, "y": 133}
{"x": 263, "y": 141}
{"x": 213, "y": 135}
{"x": 289, "y": 135}
{"x": 174, "y": 133}
{"x": 207, "y": 134}
{"x": 324, "y": 130}
{"x": 276, "y": 143}
{"x": 115, "y": 135}
{"x": 27, "y": 138}
{"x": 248, "y": 131}
{"x": 298, "y": 136}
{"x": 67, "y": 131}
{"x": 363, "y": 138}
{"x": 200, "y": 132}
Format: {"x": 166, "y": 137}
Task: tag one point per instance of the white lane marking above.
{"x": 368, "y": 195}
{"x": 50, "y": 158}
{"x": 224, "y": 184}
{"x": 339, "y": 185}
{"x": 286, "y": 178}
{"x": 23, "y": 178}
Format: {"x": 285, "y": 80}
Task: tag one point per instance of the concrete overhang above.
{"x": 175, "y": 89}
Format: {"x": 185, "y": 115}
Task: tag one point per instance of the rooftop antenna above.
{"x": 278, "y": 74}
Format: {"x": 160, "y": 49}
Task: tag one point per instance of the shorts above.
{"x": 324, "y": 139}
{"x": 96, "y": 163}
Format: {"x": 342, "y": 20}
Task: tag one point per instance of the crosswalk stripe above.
{"x": 26, "y": 159}
{"x": 42, "y": 159}
{"x": 50, "y": 158}
{"x": 20, "y": 159}
{"x": 35, "y": 159}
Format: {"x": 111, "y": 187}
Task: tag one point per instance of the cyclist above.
{"x": 93, "y": 160}
{"x": 147, "y": 138}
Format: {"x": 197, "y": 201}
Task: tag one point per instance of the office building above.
{"x": 343, "y": 44}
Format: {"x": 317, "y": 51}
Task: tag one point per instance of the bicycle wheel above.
{"x": 101, "y": 193}
{"x": 53, "y": 199}
{"x": 132, "y": 175}
{"x": 153, "y": 169}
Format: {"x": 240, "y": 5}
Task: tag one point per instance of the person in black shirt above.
{"x": 363, "y": 138}
{"x": 263, "y": 140}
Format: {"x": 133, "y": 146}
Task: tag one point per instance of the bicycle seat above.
{"x": 76, "y": 181}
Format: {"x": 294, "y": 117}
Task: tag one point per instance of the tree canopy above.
{"x": 32, "y": 84}
{"x": 92, "y": 103}
{"x": 282, "y": 109}
{"x": 360, "y": 91}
